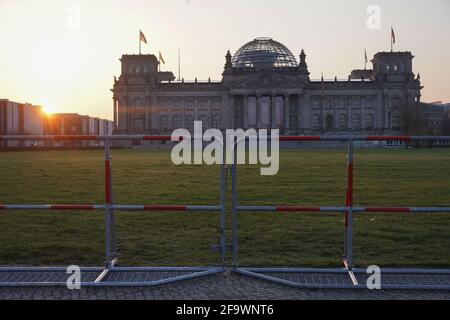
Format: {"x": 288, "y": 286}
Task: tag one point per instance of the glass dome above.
{"x": 263, "y": 53}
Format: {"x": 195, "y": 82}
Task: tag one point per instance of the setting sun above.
{"x": 48, "y": 108}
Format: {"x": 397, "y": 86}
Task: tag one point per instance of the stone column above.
{"x": 232, "y": 113}
{"x": 304, "y": 113}
{"x": 115, "y": 113}
{"x": 245, "y": 111}
{"x": 258, "y": 111}
{"x": 379, "y": 112}
{"x": 170, "y": 117}
{"x": 363, "y": 112}
{"x": 147, "y": 114}
{"x": 209, "y": 125}
{"x": 127, "y": 115}
{"x": 286, "y": 109}
{"x": 349, "y": 113}
{"x": 273, "y": 110}
{"x": 387, "y": 125}
{"x": 154, "y": 113}
{"x": 336, "y": 113}
{"x": 225, "y": 111}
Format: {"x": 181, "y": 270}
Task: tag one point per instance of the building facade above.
{"x": 20, "y": 119}
{"x": 263, "y": 86}
{"x": 76, "y": 124}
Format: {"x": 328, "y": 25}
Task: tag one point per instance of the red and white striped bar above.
{"x": 169, "y": 138}
{"x": 291, "y": 209}
{"x": 342, "y": 209}
{"x": 68, "y": 207}
{"x": 363, "y": 138}
{"x": 401, "y": 209}
{"x": 165, "y": 208}
{"x": 77, "y": 207}
{"x": 89, "y": 137}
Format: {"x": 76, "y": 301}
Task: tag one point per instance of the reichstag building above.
{"x": 264, "y": 86}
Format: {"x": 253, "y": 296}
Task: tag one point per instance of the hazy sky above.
{"x": 47, "y": 58}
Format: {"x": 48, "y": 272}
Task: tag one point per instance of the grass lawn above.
{"x": 306, "y": 177}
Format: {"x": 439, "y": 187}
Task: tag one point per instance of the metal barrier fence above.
{"x": 348, "y": 276}
{"x": 111, "y": 274}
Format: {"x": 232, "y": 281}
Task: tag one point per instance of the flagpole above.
{"x": 179, "y": 64}
{"x": 365, "y": 59}
{"x": 392, "y": 40}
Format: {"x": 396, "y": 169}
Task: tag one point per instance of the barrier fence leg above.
{"x": 234, "y": 207}
{"x": 223, "y": 244}
{"x": 114, "y": 251}
{"x": 348, "y": 261}
{"x": 108, "y": 257}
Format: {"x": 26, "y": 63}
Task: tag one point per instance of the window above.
{"x": 138, "y": 125}
{"x": 342, "y": 121}
{"x": 330, "y": 125}
{"x": 355, "y": 122}
{"x": 315, "y": 121}
{"x": 177, "y": 122}
{"x": 189, "y": 123}
{"x": 136, "y": 104}
{"x": 369, "y": 121}
{"x": 397, "y": 102}
{"x": 293, "y": 115}
{"x": 215, "y": 122}
{"x": 204, "y": 120}
{"x": 163, "y": 123}
{"x": 395, "y": 121}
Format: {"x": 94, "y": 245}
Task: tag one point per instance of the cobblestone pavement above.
{"x": 221, "y": 286}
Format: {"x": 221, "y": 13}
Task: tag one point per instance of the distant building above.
{"x": 76, "y": 124}
{"x": 20, "y": 119}
{"x": 263, "y": 86}
{"x": 27, "y": 119}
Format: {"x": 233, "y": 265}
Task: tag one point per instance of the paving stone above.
{"x": 220, "y": 286}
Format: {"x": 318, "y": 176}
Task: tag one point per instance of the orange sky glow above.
{"x": 64, "y": 54}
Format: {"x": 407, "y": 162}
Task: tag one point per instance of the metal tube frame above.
{"x": 111, "y": 252}
{"x": 348, "y": 210}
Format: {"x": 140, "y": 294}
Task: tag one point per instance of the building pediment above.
{"x": 267, "y": 80}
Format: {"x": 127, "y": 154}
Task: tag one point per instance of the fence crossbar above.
{"x": 179, "y": 138}
{"x": 343, "y": 209}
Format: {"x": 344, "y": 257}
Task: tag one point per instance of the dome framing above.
{"x": 264, "y": 53}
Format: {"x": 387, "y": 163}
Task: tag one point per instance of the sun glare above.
{"x": 48, "y": 108}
